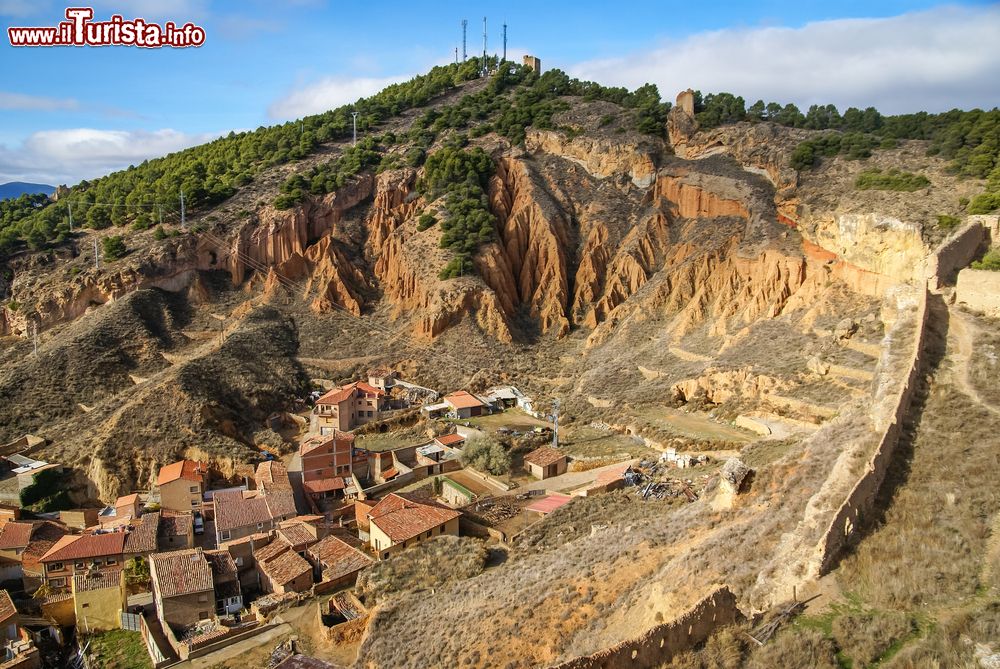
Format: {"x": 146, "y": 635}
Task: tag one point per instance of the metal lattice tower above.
{"x": 504, "y": 44}
{"x": 465, "y": 26}
{"x": 485, "y": 67}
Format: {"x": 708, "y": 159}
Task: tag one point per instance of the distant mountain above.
{"x": 19, "y": 188}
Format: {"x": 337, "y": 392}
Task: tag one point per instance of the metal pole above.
{"x": 504, "y": 43}
{"x": 485, "y": 68}
{"x": 465, "y": 25}
{"x": 355, "y": 140}
{"x": 69, "y": 205}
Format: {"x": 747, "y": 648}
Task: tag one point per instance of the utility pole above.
{"x": 485, "y": 67}
{"x": 456, "y": 55}
{"x": 504, "y": 44}
{"x": 97, "y": 258}
{"x": 555, "y": 423}
{"x": 465, "y": 25}
{"x": 183, "y": 212}
{"x": 355, "y": 140}
{"x": 69, "y": 205}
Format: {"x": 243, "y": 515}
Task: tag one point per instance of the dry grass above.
{"x": 426, "y": 565}
{"x": 867, "y": 637}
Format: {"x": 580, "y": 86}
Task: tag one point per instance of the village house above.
{"x": 176, "y": 532}
{"x": 141, "y": 535}
{"x": 80, "y": 519}
{"x": 327, "y": 463}
{"x": 226, "y": 581}
{"x": 77, "y": 554}
{"x": 14, "y": 540}
{"x": 17, "y": 650}
{"x": 182, "y": 485}
{"x": 271, "y": 475}
{"x": 282, "y": 570}
{"x": 8, "y": 513}
{"x": 453, "y": 440}
{"x": 545, "y": 462}
{"x": 382, "y": 378}
{"x": 297, "y": 535}
{"x": 99, "y": 598}
{"x": 454, "y": 493}
{"x": 182, "y": 588}
{"x": 464, "y": 404}
{"x": 44, "y": 536}
{"x": 400, "y": 521}
{"x": 347, "y": 407}
{"x": 240, "y": 514}
{"x": 336, "y": 562}
{"x": 128, "y": 505}
{"x": 242, "y": 550}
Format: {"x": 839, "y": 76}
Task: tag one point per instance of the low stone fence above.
{"x": 954, "y": 253}
{"x": 658, "y": 645}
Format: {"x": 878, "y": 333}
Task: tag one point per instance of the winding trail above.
{"x": 963, "y": 332}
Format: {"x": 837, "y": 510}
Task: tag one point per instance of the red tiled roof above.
{"x": 181, "y": 572}
{"x": 336, "y": 396}
{"x": 271, "y": 474}
{"x": 368, "y": 389}
{"x": 544, "y": 456}
{"x": 550, "y": 503}
{"x": 338, "y": 558}
{"x": 402, "y": 518}
{"x": 280, "y": 504}
{"x": 43, "y": 538}
{"x": 7, "y": 608}
{"x": 142, "y": 538}
{"x": 102, "y": 579}
{"x": 324, "y": 485}
{"x": 221, "y": 562}
{"x": 176, "y": 525}
{"x": 128, "y": 500}
{"x": 321, "y": 441}
{"x": 462, "y": 399}
{"x": 613, "y": 474}
{"x": 81, "y": 547}
{"x": 271, "y": 551}
{"x": 450, "y": 439}
{"x": 15, "y": 535}
{"x": 232, "y": 510}
{"x": 185, "y": 469}
{"x": 297, "y": 535}
{"x": 286, "y": 567}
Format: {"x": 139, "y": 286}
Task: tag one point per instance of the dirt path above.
{"x": 962, "y": 333}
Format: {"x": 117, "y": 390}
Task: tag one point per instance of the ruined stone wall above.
{"x": 979, "y": 290}
{"x": 661, "y": 643}
{"x": 955, "y": 253}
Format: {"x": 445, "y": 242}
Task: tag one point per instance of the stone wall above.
{"x": 956, "y": 252}
{"x": 979, "y": 290}
{"x": 661, "y": 643}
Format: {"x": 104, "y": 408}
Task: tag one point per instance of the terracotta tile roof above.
{"x": 102, "y": 579}
{"x": 550, "y": 503}
{"x": 544, "y": 456}
{"x": 176, "y": 525}
{"x": 128, "y": 500}
{"x": 338, "y": 558}
{"x": 337, "y": 395}
{"x": 403, "y": 518}
{"x": 286, "y": 567}
{"x": 450, "y": 439}
{"x": 280, "y": 504}
{"x": 44, "y": 537}
{"x": 271, "y": 474}
{"x": 232, "y": 510}
{"x": 325, "y": 485}
{"x": 369, "y": 389}
{"x": 185, "y": 469}
{"x": 82, "y": 547}
{"x": 462, "y": 399}
{"x": 270, "y": 551}
{"x": 142, "y": 538}
{"x": 15, "y": 535}
{"x": 7, "y": 608}
{"x": 181, "y": 572}
{"x": 613, "y": 474}
{"x": 221, "y": 562}
{"x": 380, "y": 372}
{"x": 297, "y": 535}
{"x": 315, "y": 442}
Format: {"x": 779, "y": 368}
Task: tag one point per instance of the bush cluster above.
{"x": 876, "y": 179}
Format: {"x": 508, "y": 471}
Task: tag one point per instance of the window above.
{"x": 195, "y": 502}
{"x": 195, "y": 489}
{"x": 260, "y": 526}
{"x": 239, "y": 561}
{"x": 224, "y": 536}
{"x": 80, "y": 565}
{"x": 111, "y": 561}
{"x": 56, "y": 566}
{"x": 85, "y": 605}
{"x": 203, "y": 615}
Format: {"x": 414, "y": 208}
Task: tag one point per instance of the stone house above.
{"x": 99, "y": 597}
{"x": 347, "y": 407}
{"x": 336, "y": 562}
{"x": 464, "y": 404}
{"x": 78, "y": 554}
{"x": 327, "y": 463}
{"x": 283, "y": 570}
{"x": 399, "y": 521}
{"x": 182, "y": 486}
{"x": 240, "y": 514}
{"x": 546, "y": 462}
{"x": 176, "y": 532}
{"x": 226, "y": 581}
{"x": 183, "y": 589}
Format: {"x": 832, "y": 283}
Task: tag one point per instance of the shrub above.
{"x": 159, "y": 233}
{"x": 866, "y": 637}
{"x": 795, "y": 648}
{"x": 487, "y": 454}
{"x": 895, "y": 180}
{"x": 946, "y": 222}
{"x": 47, "y": 492}
{"x": 990, "y": 261}
{"x": 425, "y": 221}
{"x": 114, "y": 247}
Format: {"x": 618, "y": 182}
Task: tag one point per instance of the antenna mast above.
{"x": 354, "y": 114}
{"x": 504, "y": 44}
{"x": 485, "y": 67}
{"x": 465, "y": 25}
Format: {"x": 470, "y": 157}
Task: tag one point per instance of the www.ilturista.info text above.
{"x": 80, "y": 30}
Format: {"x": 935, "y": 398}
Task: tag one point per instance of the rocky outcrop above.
{"x": 602, "y": 157}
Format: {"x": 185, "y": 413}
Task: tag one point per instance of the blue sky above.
{"x": 70, "y": 113}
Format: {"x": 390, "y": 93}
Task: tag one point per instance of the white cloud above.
{"x": 67, "y": 156}
{"x": 328, "y": 93}
{"x": 933, "y": 60}
{"x": 21, "y": 102}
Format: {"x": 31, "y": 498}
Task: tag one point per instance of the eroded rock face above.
{"x": 601, "y": 157}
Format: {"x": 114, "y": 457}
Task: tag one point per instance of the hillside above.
{"x": 15, "y": 189}
{"x": 660, "y": 270}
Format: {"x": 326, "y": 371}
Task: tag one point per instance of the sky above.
{"x": 69, "y": 113}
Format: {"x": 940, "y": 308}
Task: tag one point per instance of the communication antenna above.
{"x": 355, "y": 140}
{"x": 504, "y": 44}
{"x": 183, "y": 211}
{"x": 69, "y": 205}
{"x": 485, "y": 68}
{"x": 456, "y": 55}
{"x": 465, "y": 25}
{"x": 555, "y": 423}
